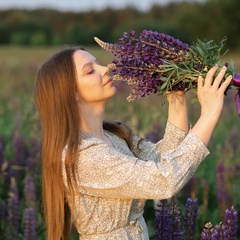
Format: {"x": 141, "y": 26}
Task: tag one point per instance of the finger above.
{"x": 225, "y": 84}
{"x": 219, "y": 78}
{"x": 209, "y": 76}
{"x": 200, "y": 82}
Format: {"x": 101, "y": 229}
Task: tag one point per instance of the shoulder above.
{"x": 87, "y": 141}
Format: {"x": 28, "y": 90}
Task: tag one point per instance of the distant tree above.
{"x": 227, "y": 17}
{"x": 188, "y": 21}
{"x": 4, "y": 33}
{"x": 79, "y": 34}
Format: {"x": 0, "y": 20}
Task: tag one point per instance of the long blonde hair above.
{"x": 54, "y": 93}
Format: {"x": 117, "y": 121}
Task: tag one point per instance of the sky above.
{"x": 83, "y": 5}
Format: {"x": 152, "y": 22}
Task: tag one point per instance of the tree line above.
{"x": 187, "y": 21}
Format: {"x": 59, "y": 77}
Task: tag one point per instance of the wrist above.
{"x": 204, "y": 128}
{"x": 209, "y": 117}
{"x": 176, "y": 95}
{"x": 177, "y": 102}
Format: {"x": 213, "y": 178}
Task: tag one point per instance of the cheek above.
{"x": 89, "y": 92}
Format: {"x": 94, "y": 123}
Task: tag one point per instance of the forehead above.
{"x": 82, "y": 57}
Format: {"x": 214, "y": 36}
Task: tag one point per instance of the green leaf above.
{"x": 168, "y": 69}
{"x": 164, "y": 85}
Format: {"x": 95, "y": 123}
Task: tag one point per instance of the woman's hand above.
{"x": 211, "y": 93}
{"x": 211, "y": 98}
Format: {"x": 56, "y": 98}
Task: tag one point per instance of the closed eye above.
{"x": 90, "y": 72}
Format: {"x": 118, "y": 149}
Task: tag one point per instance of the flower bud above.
{"x": 236, "y": 80}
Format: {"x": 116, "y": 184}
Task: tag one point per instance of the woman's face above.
{"x": 93, "y": 83}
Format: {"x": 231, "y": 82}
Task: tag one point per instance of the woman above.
{"x": 100, "y": 170}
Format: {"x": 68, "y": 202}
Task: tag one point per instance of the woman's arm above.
{"x": 104, "y": 171}
{"x": 177, "y": 110}
{"x": 176, "y": 128}
{"x": 211, "y": 96}
{"x": 147, "y": 150}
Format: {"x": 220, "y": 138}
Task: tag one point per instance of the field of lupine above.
{"x": 206, "y": 208}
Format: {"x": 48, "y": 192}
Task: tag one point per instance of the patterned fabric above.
{"x": 113, "y": 184}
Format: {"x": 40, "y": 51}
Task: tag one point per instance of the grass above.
{"x": 18, "y": 67}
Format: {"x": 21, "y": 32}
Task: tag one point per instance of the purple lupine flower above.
{"x": 140, "y": 60}
{"x": 217, "y": 232}
{"x": 162, "y": 221}
{"x": 34, "y": 147}
{"x": 30, "y": 192}
{"x": 234, "y": 139}
{"x": 13, "y": 212}
{"x": 225, "y": 230}
{"x": 207, "y": 232}
{"x": 20, "y": 155}
{"x": 156, "y": 62}
{"x": 167, "y": 221}
{"x": 176, "y": 222}
{"x": 34, "y": 155}
{"x": 20, "y": 149}
{"x": 236, "y": 80}
{"x": 236, "y": 83}
{"x": 237, "y": 100}
{"x": 31, "y": 164}
{"x": 230, "y": 222}
{"x": 224, "y": 199}
{"x": 30, "y": 224}
{"x": 190, "y": 218}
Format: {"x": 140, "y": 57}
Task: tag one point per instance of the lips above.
{"x": 108, "y": 81}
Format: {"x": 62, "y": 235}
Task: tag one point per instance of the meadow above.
{"x": 216, "y": 182}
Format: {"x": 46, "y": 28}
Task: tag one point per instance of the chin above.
{"x": 114, "y": 90}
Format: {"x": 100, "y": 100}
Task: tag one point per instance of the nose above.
{"x": 105, "y": 70}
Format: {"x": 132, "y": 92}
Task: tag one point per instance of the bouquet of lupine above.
{"x": 157, "y": 63}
